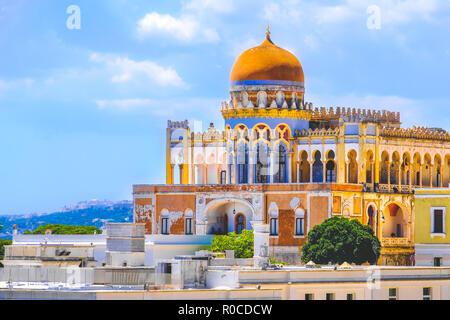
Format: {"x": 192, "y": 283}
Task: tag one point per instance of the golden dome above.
{"x": 267, "y": 62}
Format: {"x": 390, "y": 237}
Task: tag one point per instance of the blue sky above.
{"x": 83, "y": 112}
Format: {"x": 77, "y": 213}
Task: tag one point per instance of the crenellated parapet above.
{"x": 177, "y": 124}
{"x": 416, "y": 133}
{"x": 355, "y": 115}
{"x": 317, "y": 132}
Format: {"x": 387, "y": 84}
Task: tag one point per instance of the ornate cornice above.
{"x": 267, "y": 113}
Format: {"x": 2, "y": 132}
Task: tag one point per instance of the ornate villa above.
{"x": 283, "y": 166}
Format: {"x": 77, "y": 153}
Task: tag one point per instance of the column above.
{"x": 172, "y": 166}
{"x": 410, "y": 178}
{"x": 389, "y": 176}
{"x": 431, "y": 175}
{"x": 372, "y": 173}
{"x": 420, "y": 175}
{"x": 324, "y": 171}
{"x": 311, "y": 172}
{"x": 399, "y": 178}
{"x": 205, "y": 174}
{"x": 271, "y": 166}
{"x": 234, "y": 167}
{"x": 290, "y": 171}
{"x": 251, "y": 172}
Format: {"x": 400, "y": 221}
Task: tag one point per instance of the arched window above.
{"x": 303, "y": 170}
{"x": 242, "y": 161}
{"x": 239, "y": 223}
{"x": 384, "y": 167}
{"x": 317, "y": 168}
{"x": 273, "y": 214}
{"x": 280, "y": 175}
{"x": 262, "y": 164}
{"x": 189, "y": 227}
{"x": 273, "y": 226}
{"x": 331, "y": 174}
{"x": 300, "y": 222}
{"x": 352, "y": 168}
{"x": 371, "y": 217}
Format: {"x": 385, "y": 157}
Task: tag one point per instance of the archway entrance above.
{"x": 228, "y": 215}
{"x": 395, "y": 225}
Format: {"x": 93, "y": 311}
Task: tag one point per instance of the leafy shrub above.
{"x": 340, "y": 239}
{"x": 242, "y": 244}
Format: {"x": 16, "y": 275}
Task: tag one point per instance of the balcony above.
{"x": 395, "y": 242}
{"x": 386, "y": 188}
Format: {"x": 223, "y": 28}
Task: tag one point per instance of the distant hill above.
{"x": 89, "y": 213}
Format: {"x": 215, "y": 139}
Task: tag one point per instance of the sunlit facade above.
{"x": 284, "y": 163}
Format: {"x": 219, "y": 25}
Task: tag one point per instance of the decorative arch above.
{"x": 416, "y": 178}
{"x": 280, "y": 165}
{"x": 426, "y": 170}
{"x": 303, "y": 167}
{"x": 220, "y": 214}
{"x": 395, "y": 224}
{"x": 405, "y": 168}
{"x": 395, "y": 168}
{"x": 261, "y": 99}
{"x": 330, "y": 166}
{"x": 261, "y": 133}
{"x": 283, "y": 132}
{"x": 384, "y": 167}
{"x": 242, "y": 162}
{"x": 352, "y": 167}
{"x": 262, "y": 163}
{"x": 437, "y": 170}
{"x": 370, "y": 166}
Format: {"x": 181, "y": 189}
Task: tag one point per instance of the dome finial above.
{"x": 268, "y": 34}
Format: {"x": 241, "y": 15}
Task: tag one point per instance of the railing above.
{"x": 394, "y": 242}
{"x": 393, "y": 188}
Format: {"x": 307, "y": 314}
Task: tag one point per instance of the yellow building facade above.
{"x": 432, "y": 242}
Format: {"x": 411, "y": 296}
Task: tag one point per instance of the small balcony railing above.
{"x": 393, "y": 188}
{"x": 395, "y": 242}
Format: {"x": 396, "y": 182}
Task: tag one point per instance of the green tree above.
{"x": 3, "y": 243}
{"x": 242, "y": 244}
{"x": 340, "y": 239}
{"x": 65, "y": 229}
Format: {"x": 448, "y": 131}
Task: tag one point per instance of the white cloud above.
{"x": 126, "y": 70}
{"x": 226, "y": 6}
{"x": 392, "y": 11}
{"x": 333, "y": 14}
{"x": 239, "y": 47}
{"x": 209, "y": 109}
{"x": 185, "y": 29}
{"x": 311, "y": 42}
{"x": 125, "y": 104}
{"x": 406, "y": 11}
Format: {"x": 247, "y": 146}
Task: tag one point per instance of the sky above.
{"x": 87, "y": 87}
